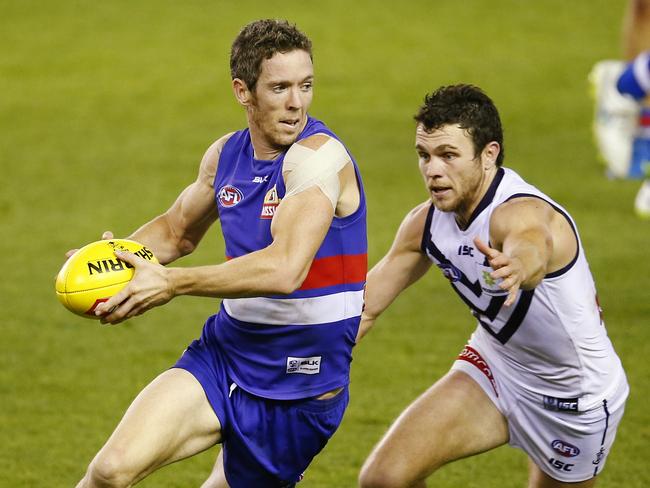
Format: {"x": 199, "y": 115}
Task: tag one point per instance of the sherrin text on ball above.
{"x": 94, "y": 274}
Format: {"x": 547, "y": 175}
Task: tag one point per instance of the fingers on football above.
{"x": 127, "y": 309}
{"x": 69, "y": 254}
{"x": 110, "y": 309}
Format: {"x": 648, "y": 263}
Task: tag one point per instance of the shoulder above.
{"x": 520, "y": 214}
{"x": 327, "y": 151}
{"x": 210, "y": 159}
{"x": 317, "y": 142}
{"x": 411, "y": 229}
{"x": 522, "y": 210}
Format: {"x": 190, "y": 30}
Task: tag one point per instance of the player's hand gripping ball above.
{"x": 94, "y": 274}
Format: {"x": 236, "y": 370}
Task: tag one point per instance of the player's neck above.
{"x": 464, "y": 212}
{"x": 263, "y": 149}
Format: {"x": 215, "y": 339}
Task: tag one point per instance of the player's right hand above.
{"x": 105, "y": 236}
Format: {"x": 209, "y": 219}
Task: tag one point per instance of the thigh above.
{"x": 169, "y": 420}
{"x": 453, "y": 419}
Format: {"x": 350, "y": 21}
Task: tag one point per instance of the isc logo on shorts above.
{"x": 561, "y": 404}
{"x": 303, "y": 365}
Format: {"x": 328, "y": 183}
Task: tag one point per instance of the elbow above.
{"x": 185, "y": 247}
{"x": 285, "y": 287}
{"x": 533, "y": 280}
{"x": 286, "y": 279}
{"x": 283, "y": 273}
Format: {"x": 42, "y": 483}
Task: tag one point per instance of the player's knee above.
{"x": 109, "y": 469}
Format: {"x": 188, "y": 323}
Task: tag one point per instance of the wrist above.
{"x": 173, "y": 285}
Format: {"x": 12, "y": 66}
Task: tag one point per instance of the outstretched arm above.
{"x": 528, "y": 240}
{"x": 402, "y": 266}
{"x": 298, "y": 229}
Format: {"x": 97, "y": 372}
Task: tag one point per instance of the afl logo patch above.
{"x": 229, "y": 196}
{"x": 564, "y": 448}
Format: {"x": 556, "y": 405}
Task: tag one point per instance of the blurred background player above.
{"x": 269, "y": 376}
{"x": 622, "y": 115}
{"x": 539, "y": 372}
{"x": 635, "y": 82}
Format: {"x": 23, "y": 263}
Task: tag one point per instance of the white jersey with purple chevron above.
{"x": 298, "y": 345}
{"x": 552, "y": 340}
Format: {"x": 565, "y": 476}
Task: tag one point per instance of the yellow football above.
{"x": 94, "y": 274}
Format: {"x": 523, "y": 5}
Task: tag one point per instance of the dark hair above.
{"x": 260, "y": 40}
{"x": 470, "y": 108}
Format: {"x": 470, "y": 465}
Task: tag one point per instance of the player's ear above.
{"x": 489, "y": 154}
{"x": 241, "y": 91}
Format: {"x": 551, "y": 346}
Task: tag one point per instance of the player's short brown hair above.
{"x": 468, "y": 107}
{"x": 260, "y": 40}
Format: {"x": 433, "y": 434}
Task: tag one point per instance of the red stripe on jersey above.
{"x": 336, "y": 270}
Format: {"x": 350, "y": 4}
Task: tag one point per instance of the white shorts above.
{"x": 566, "y": 444}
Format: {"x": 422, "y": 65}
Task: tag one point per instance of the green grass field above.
{"x": 105, "y": 111}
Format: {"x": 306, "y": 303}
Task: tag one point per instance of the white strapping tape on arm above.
{"x": 304, "y": 167}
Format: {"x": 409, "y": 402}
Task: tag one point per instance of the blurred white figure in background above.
{"x": 615, "y": 118}
{"x": 622, "y": 113}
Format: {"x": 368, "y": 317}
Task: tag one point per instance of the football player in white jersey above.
{"x": 539, "y": 372}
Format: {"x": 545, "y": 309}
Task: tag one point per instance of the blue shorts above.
{"x": 266, "y": 443}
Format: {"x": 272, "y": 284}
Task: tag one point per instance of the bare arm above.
{"x": 529, "y": 239}
{"x": 298, "y": 229}
{"x": 402, "y": 266}
{"x": 179, "y": 230}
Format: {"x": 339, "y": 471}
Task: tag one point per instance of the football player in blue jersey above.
{"x": 622, "y": 113}
{"x": 539, "y": 372}
{"x": 268, "y": 378}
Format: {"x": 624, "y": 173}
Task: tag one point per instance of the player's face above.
{"x": 454, "y": 175}
{"x": 282, "y": 96}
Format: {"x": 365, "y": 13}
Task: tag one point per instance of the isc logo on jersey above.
{"x": 271, "y": 202}
{"x": 229, "y": 196}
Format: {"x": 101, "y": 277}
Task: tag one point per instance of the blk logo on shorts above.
{"x": 303, "y": 365}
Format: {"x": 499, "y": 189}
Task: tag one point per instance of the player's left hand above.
{"x": 507, "y": 268}
{"x": 149, "y": 287}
